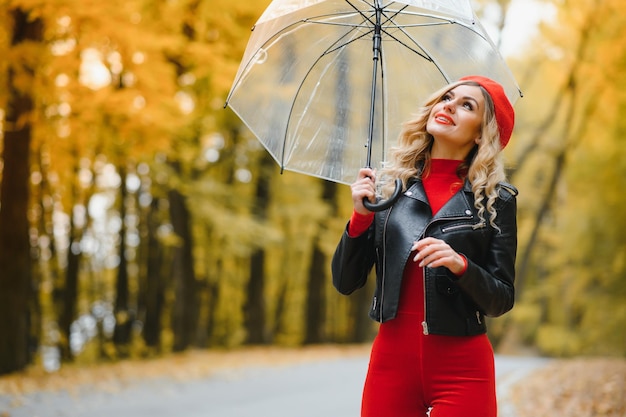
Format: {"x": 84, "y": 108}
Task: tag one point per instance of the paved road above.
{"x": 327, "y": 388}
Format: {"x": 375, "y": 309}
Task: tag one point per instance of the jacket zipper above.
{"x": 476, "y": 226}
{"x": 381, "y": 290}
{"x": 384, "y": 265}
{"x": 425, "y": 322}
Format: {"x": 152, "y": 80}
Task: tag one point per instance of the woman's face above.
{"x": 455, "y": 122}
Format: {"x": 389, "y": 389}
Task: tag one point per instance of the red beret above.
{"x": 505, "y": 115}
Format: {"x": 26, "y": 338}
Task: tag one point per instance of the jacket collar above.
{"x": 459, "y": 205}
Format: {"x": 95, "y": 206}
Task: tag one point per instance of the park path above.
{"x": 323, "y": 387}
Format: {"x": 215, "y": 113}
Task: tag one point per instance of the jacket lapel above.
{"x": 416, "y": 192}
{"x": 458, "y": 205}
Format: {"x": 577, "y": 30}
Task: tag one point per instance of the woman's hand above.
{"x": 364, "y": 187}
{"x": 434, "y": 253}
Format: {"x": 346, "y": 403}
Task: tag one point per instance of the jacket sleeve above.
{"x": 491, "y": 285}
{"x": 352, "y": 261}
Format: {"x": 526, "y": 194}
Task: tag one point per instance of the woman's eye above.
{"x": 468, "y": 105}
{"x": 446, "y": 97}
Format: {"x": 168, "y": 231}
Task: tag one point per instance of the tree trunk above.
{"x": 153, "y": 291}
{"x": 316, "y": 298}
{"x": 317, "y": 280}
{"x": 15, "y": 248}
{"x": 569, "y": 89}
{"x": 185, "y": 309}
{"x": 69, "y": 297}
{"x": 15, "y": 279}
{"x": 66, "y": 293}
{"x": 51, "y": 274}
{"x": 254, "y": 308}
{"x": 213, "y": 290}
{"x": 123, "y": 317}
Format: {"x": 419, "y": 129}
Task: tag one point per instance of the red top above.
{"x": 442, "y": 182}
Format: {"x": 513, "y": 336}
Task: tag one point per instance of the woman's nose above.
{"x": 449, "y": 106}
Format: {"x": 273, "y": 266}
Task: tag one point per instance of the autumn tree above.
{"x": 567, "y": 175}
{"x": 25, "y": 54}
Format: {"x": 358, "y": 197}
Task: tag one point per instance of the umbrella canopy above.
{"x": 326, "y": 84}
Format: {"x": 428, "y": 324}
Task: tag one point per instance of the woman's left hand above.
{"x": 434, "y": 253}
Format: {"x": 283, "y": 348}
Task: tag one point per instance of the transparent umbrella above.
{"x": 326, "y": 84}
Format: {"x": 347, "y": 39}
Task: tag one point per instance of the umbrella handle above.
{"x": 384, "y": 205}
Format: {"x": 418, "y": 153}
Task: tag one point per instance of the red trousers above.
{"x": 411, "y": 373}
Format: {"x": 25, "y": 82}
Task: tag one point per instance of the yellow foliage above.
{"x": 558, "y": 341}
{"x": 160, "y": 55}
{"x": 568, "y": 164}
{"x": 527, "y": 317}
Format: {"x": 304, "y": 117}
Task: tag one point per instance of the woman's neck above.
{"x": 440, "y": 151}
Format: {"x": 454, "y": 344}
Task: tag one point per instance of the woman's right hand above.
{"x": 364, "y": 187}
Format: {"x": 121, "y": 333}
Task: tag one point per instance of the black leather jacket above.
{"x": 454, "y": 306}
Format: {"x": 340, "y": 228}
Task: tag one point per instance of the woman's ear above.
{"x": 478, "y": 140}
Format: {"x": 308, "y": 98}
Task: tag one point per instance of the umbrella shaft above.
{"x": 377, "y": 35}
{"x": 376, "y": 50}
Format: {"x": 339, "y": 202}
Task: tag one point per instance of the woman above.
{"x": 444, "y": 255}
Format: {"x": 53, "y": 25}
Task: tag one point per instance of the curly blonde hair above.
{"x": 483, "y": 166}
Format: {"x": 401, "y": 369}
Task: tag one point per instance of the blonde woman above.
{"x": 444, "y": 256}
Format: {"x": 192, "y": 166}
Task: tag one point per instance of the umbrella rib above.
{"x": 359, "y": 11}
{"x": 353, "y": 25}
{"x": 363, "y": 24}
{"x": 389, "y": 22}
{"x": 306, "y": 20}
{"x": 332, "y": 48}
{"x": 336, "y": 47}
{"x": 443, "y": 21}
{"x": 293, "y": 103}
{"x": 423, "y": 53}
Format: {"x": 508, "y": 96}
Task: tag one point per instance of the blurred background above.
{"x": 139, "y": 218}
